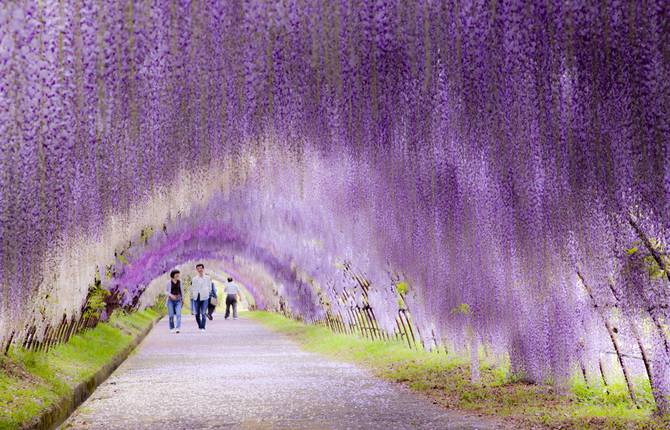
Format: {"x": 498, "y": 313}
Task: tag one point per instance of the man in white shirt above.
{"x": 200, "y": 288}
{"x": 232, "y": 295}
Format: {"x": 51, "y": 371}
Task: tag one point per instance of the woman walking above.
{"x": 174, "y": 301}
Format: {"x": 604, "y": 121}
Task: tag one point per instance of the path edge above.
{"x": 57, "y": 413}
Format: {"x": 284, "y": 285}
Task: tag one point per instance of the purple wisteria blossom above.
{"x": 509, "y": 158}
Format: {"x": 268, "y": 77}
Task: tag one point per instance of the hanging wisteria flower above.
{"x": 509, "y": 157}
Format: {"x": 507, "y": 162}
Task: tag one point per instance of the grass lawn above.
{"x": 32, "y": 381}
{"x": 446, "y": 379}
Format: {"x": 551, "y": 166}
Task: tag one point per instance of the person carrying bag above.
{"x": 213, "y": 302}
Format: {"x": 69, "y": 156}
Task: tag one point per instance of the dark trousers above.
{"x": 200, "y": 309}
{"x": 231, "y": 300}
{"x": 210, "y": 309}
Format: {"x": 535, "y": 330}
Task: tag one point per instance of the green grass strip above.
{"x": 32, "y": 381}
{"x": 446, "y": 379}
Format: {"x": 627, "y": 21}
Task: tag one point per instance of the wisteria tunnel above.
{"x": 459, "y": 174}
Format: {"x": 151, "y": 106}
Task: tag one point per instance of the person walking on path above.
{"x": 174, "y": 301}
{"x": 213, "y": 301}
{"x": 200, "y": 289}
{"x": 232, "y": 294}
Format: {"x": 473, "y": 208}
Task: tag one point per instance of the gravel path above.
{"x": 239, "y": 375}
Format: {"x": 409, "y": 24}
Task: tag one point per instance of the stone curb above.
{"x": 57, "y": 413}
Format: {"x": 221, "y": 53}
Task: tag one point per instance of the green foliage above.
{"x": 95, "y": 302}
{"x": 402, "y": 288}
{"x": 652, "y": 266}
{"x": 654, "y": 270}
{"x": 146, "y": 234}
{"x": 31, "y": 381}
{"x": 462, "y": 309}
{"x": 319, "y": 339}
{"x": 160, "y": 305}
{"x": 500, "y": 373}
{"x": 615, "y": 394}
{"x": 122, "y": 258}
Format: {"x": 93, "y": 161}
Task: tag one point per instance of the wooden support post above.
{"x": 398, "y": 330}
{"x": 80, "y": 322}
{"x": 602, "y": 372}
{"x": 409, "y": 326}
{"x": 48, "y": 339}
{"x": 357, "y": 322}
{"x": 360, "y": 321}
{"x": 371, "y": 328}
{"x": 35, "y": 343}
{"x": 331, "y": 322}
{"x": 353, "y": 321}
{"x": 27, "y": 339}
{"x": 364, "y": 322}
{"x": 61, "y": 331}
{"x": 437, "y": 346}
{"x": 32, "y": 340}
{"x": 404, "y": 329}
{"x": 46, "y": 343}
{"x": 643, "y": 351}
{"x": 51, "y": 340}
{"x": 382, "y": 333}
{"x": 70, "y": 328}
{"x": 583, "y": 369}
{"x": 340, "y": 323}
{"x": 345, "y": 327}
{"x": 9, "y": 342}
{"x": 613, "y": 337}
{"x": 41, "y": 340}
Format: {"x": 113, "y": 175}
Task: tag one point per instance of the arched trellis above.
{"x": 487, "y": 151}
{"x": 348, "y": 310}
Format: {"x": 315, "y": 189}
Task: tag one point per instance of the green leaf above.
{"x": 463, "y": 309}
{"x": 402, "y": 287}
